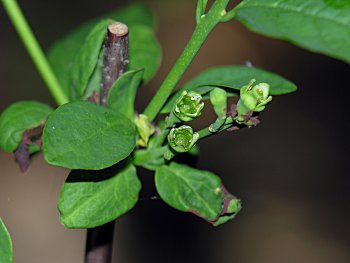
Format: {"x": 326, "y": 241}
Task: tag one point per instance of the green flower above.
{"x": 182, "y": 139}
{"x": 188, "y": 106}
{"x": 253, "y": 98}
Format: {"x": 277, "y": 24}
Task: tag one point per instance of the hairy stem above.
{"x": 34, "y": 50}
{"x": 115, "y": 59}
{"x": 201, "y": 32}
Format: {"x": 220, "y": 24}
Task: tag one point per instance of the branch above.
{"x": 99, "y": 242}
{"x": 115, "y": 58}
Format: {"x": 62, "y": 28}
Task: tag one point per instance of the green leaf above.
{"x": 19, "y": 117}
{"x": 6, "y": 250}
{"x": 150, "y": 158}
{"x": 122, "y": 94}
{"x": 87, "y": 58}
{"x": 190, "y": 190}
{"x": 83, "y": 135}
{"x": 233, "y": 78}
{"x": 144, "y": 52}
{"x": 93, "y": 198}
{"x": 320, "y": 25}
{"x": 62, "y": 54}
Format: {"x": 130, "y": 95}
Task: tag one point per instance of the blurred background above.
{"x": 291, "y": 171}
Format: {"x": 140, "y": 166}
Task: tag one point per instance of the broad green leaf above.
{"x": 122, "y": 94}
{"x": 6, "y": 250}
{"x": 62, "y": 53}
{"x": 144, "y": 52}
{"x": 83, "y": 135}
{"x": 233, "y": 78}
{"x": 190, "y": 190}
{"x": 19, "y": 117}
{"x": 87, "y": 58}
{"x": 319, "y": 25}
{"x": 93, "y": 198}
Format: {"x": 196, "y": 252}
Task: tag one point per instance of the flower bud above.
{"x": 188, "y": 106}
{"x": 253, "y": 98}
{"x": 234, "y": 206}
{"x": 183, "y": 138}
{"x": 144, "y": 128}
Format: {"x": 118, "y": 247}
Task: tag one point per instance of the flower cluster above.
{"x": 253, "y": 98}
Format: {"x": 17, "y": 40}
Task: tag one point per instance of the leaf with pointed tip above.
{"x": 83, "y": 135}
{"x": 93, "y": 198}
{"x": 190, "y": 190}
{"x": 6, "y": 250}
{"x": 320, "y": 25}
{"x": 19, "y": 117}
{"x": 121, "y": 96}
{"x": 232, "y": 78}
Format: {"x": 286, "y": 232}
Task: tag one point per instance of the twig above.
{"x": 115, "y": 58}
{"x": 99, "y": 242}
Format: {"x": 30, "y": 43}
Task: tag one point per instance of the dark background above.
{"x": 291, "y": 172}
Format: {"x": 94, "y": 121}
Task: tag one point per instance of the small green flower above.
{"x": 188, "y": 106}
{"x": 253, "y": 98}
{"x": 183, "y": 138}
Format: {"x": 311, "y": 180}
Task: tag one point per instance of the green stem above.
{"x": 205, "y": 132}
{"x": 201, "y": 32}
{"x": 165, "y": 127}
{"x": 34, "y": 50}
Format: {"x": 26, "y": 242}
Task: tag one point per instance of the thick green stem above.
{"x": 34, "y": 50}
{"x": 203, "y": 28}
